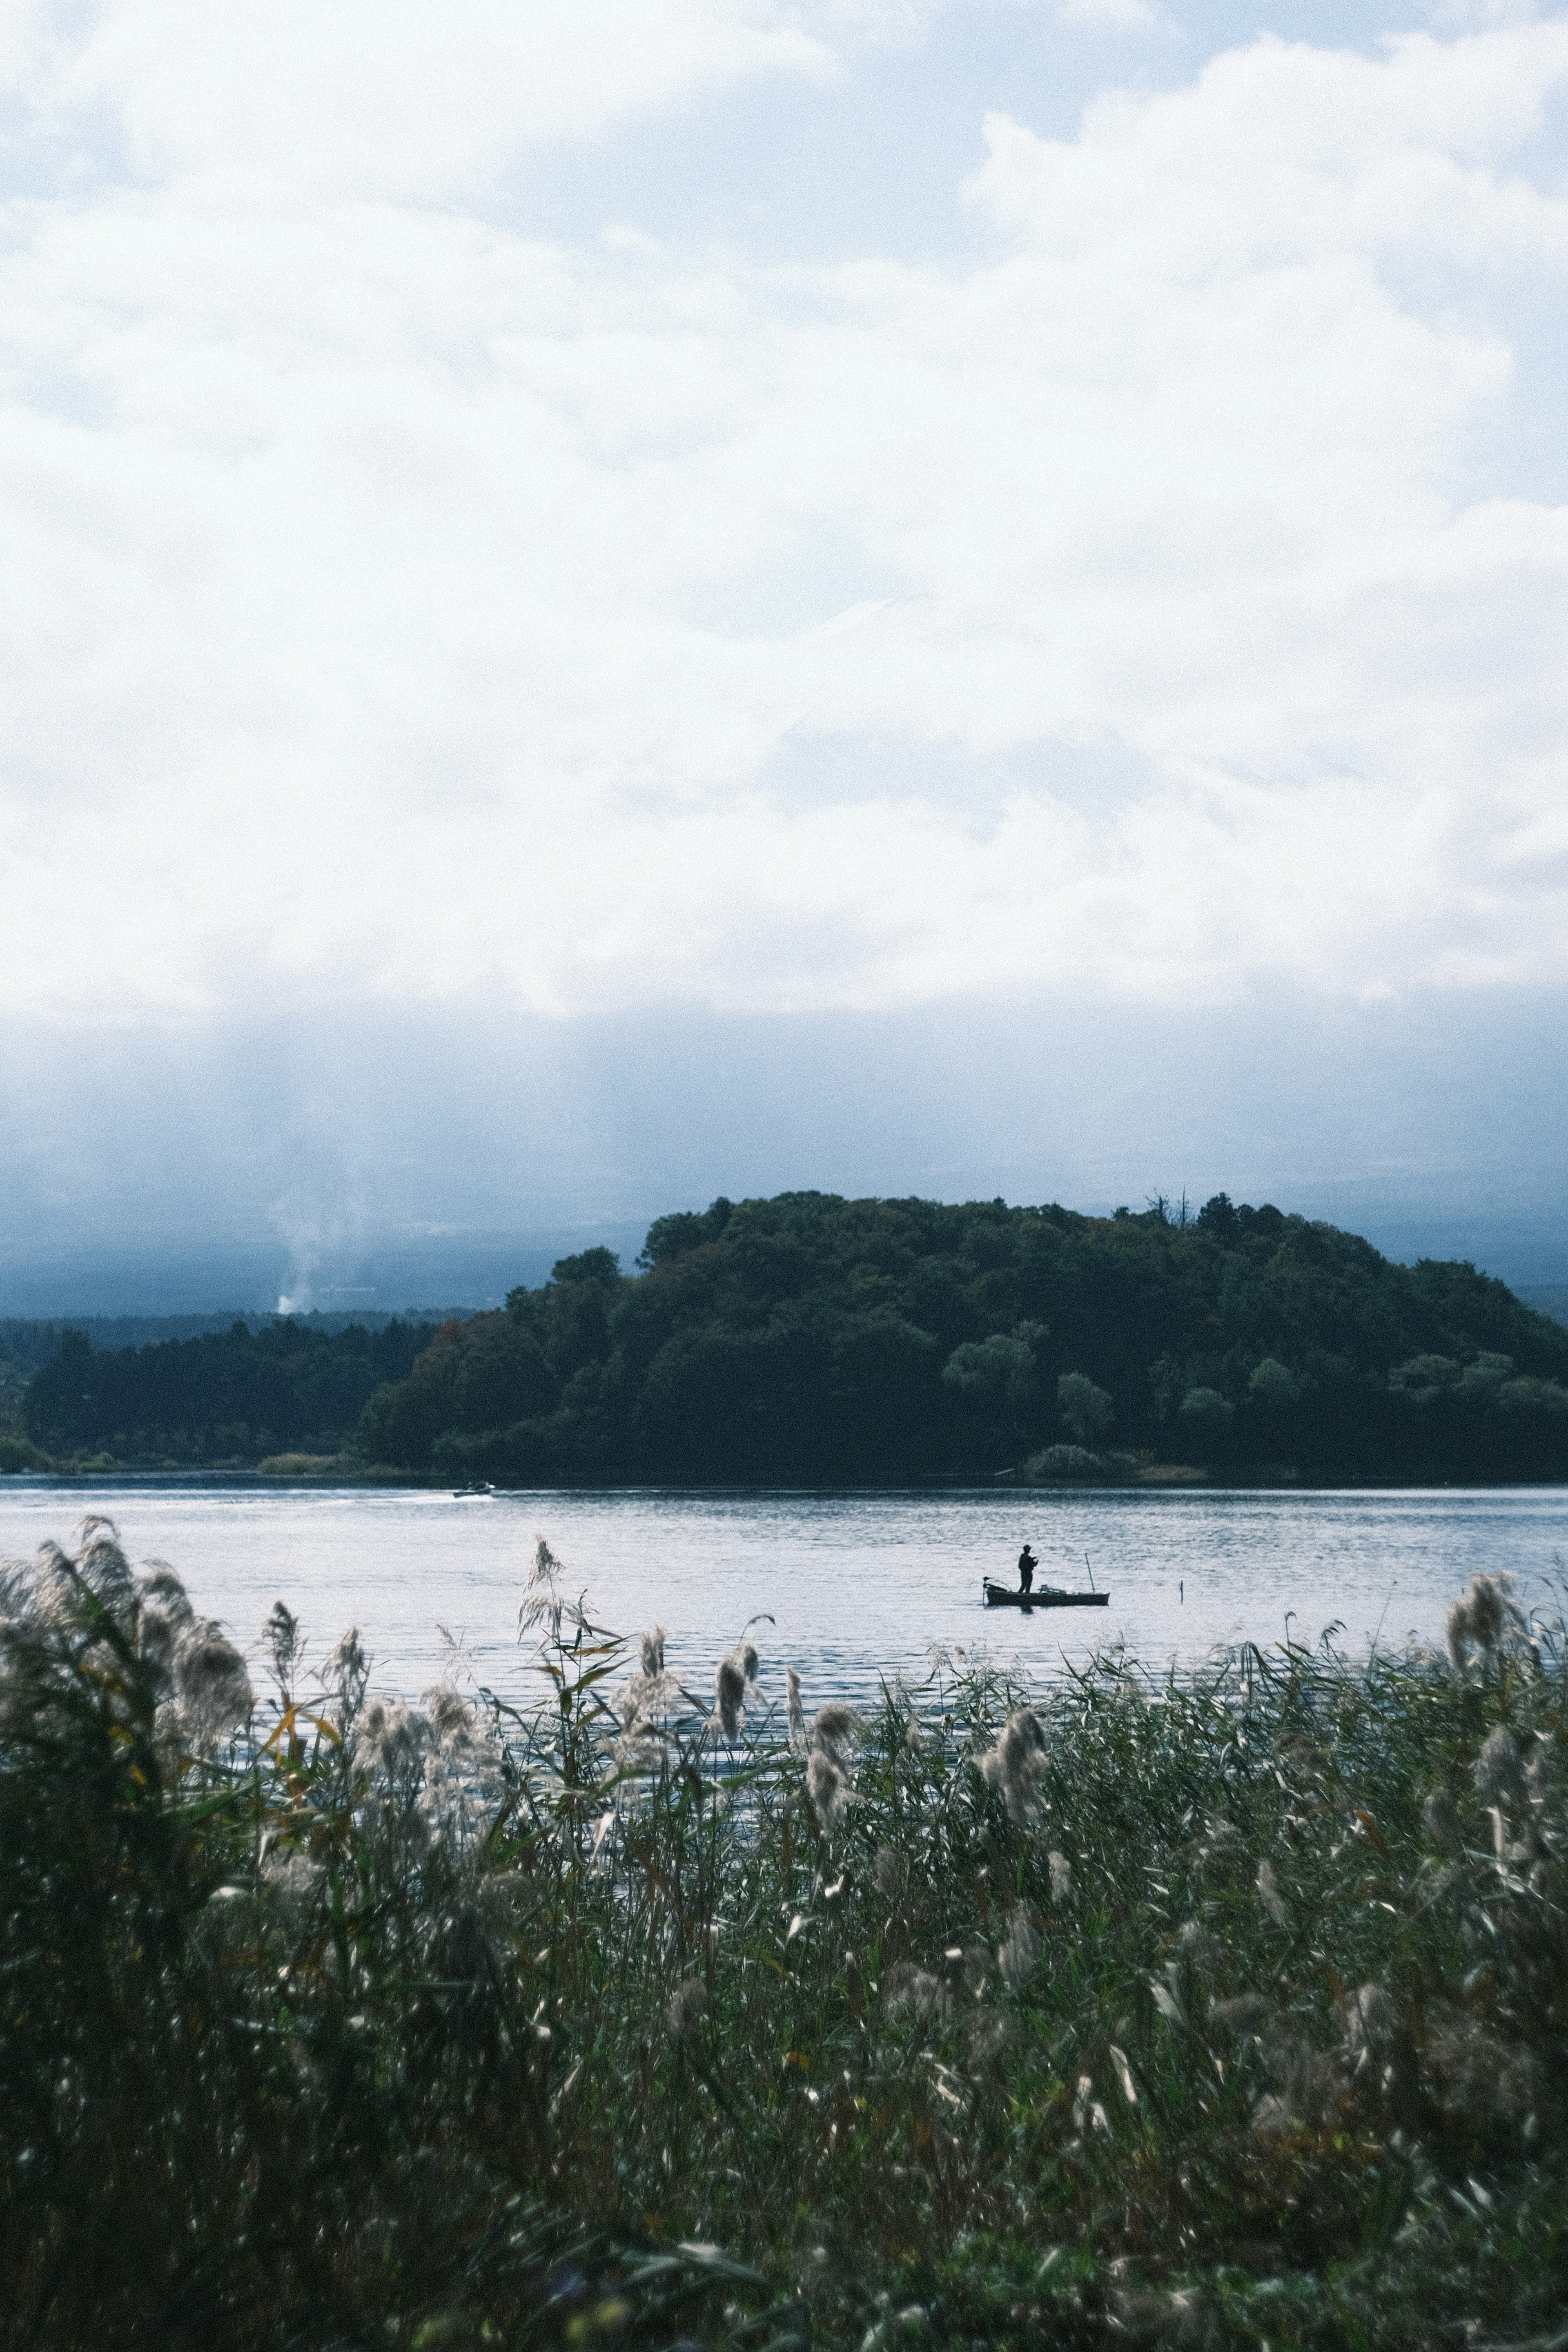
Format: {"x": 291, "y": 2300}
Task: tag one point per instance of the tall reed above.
{"x": 1225, "y": 2009}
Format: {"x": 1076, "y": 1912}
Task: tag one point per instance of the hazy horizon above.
{"x": 441, "y": 1160}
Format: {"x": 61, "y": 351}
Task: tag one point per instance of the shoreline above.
{"x": 1181, "y": 1479}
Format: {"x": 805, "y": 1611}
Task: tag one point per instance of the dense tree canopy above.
{"x": 233, "y": 1395}
{"x": 813, "y": 1338}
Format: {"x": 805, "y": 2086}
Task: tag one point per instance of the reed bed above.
{"x": 1223, "y": 2012}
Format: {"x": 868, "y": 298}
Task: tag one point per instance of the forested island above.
{"x": 812, "y": 1339}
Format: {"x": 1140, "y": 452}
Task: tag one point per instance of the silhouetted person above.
{"x": 1027, "y": 1564}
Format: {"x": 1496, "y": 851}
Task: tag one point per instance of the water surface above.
{"x": 860, "y": 1585}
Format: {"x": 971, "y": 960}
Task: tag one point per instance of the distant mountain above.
{"x": 194, "y": 1277}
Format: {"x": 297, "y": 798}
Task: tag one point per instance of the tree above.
{"x": 1086, "y": 1411}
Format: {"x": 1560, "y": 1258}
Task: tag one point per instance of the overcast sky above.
{"x": 995, "y": 572}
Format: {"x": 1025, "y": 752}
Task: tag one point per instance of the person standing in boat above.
{"x": 1027, "y": 1564}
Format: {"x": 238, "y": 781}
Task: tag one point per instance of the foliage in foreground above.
{"x": 1225, "y": 2013}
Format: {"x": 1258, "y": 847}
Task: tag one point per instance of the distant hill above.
{"x": 810, "y": 1339}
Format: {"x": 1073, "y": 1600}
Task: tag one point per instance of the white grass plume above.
{"x": 1014, "y": 1765}
{"x": 1019, "y": 1951}
{"x": 211, "y": 1686}
{"x": 1480, "y": 1619}
{"x": 729, "y": 1695}
{"x": 826, "y": 1787}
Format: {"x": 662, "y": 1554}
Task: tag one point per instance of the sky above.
{"x": 607, "y": 603}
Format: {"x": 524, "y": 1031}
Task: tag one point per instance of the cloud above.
{"x": 1110, "y": 16}
{"x": 396, "y": 604}
{"x": 400, "y": 100}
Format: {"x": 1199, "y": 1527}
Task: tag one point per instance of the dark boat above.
{"x": 1046, "y": 1596}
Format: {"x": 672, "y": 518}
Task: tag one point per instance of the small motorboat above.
{"x": 1044, "y": 1596}
{"x": 481, "y": 1487}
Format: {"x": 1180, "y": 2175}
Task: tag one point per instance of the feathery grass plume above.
{"x": 686, "y": 2007}
{"x": 795, "y": 1711}
{"x": 1441, "y": 1818}
{"x": 1198, "y": 1947}
{"x": 826, "y": 1786}
{"x": 644, "y": 1698}
{"x": 1544, "y": 1773}
{"x": 211, "y": 1688}
{"x": 1480, "y": 1619}
{"x": 749, "y": 1660}
{"x": 1181, "y": 2318}
{"x": 292, "y": 1878}
{"x": 890, "y": 1870}
{"x": 51, "y": 1588}
{"x": 393, "y": 1739}
{"x": 904, "y": 1986}
{"x": 103, "y": 1567}
{"x": 1246, "y": 2014}
{"x": 1368, "y": 2026}
{"x": 281, "y": 1635}
{"x": 462, "y": 1772}
{"x": 640, "y": 1749}
{"x": 1019, "y": 1951}
{"x": 163, "y": 1614}
{"x": 344, "y": 1676}
{"x": 730, "y": 1694}
{"x": 161, "y": 1587}
{"x": 1088, "y": 2112}
{"x": 1014, "y": 1765}
{"x": 598, "y": 1855}
{"x": 1269, "y": 1894}
{"x": 452, "y": 1717}
{"x": 544, "y": 1605}
{"x": 1061, "y": 1876}
{"x": 650, "y": 1692}
{"x": 1476, "y": 2075}
{"x": 1211, "y": 1845}
{"x": 833, "y": 1727}
{"x": 953, "y": 1967}
{"x": 1309, "y": 2084}
{"x": 1499, "y": 1770}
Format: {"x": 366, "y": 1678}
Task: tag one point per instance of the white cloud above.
{"x": 400, "y": 100}
{"x": 374, "y": 591}
{"x": 1108, "y": 15}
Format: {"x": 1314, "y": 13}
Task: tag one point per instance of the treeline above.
{"x": 236, "y": 1395}
{"x": 810, "y": 1339}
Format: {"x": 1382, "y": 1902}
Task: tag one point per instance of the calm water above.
{"x": 859, "y": 1584}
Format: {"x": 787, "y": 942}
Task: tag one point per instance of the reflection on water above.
{"x": 858, "y": 1585}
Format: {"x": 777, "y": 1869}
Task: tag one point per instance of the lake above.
{"x": 859, "y": 1584}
